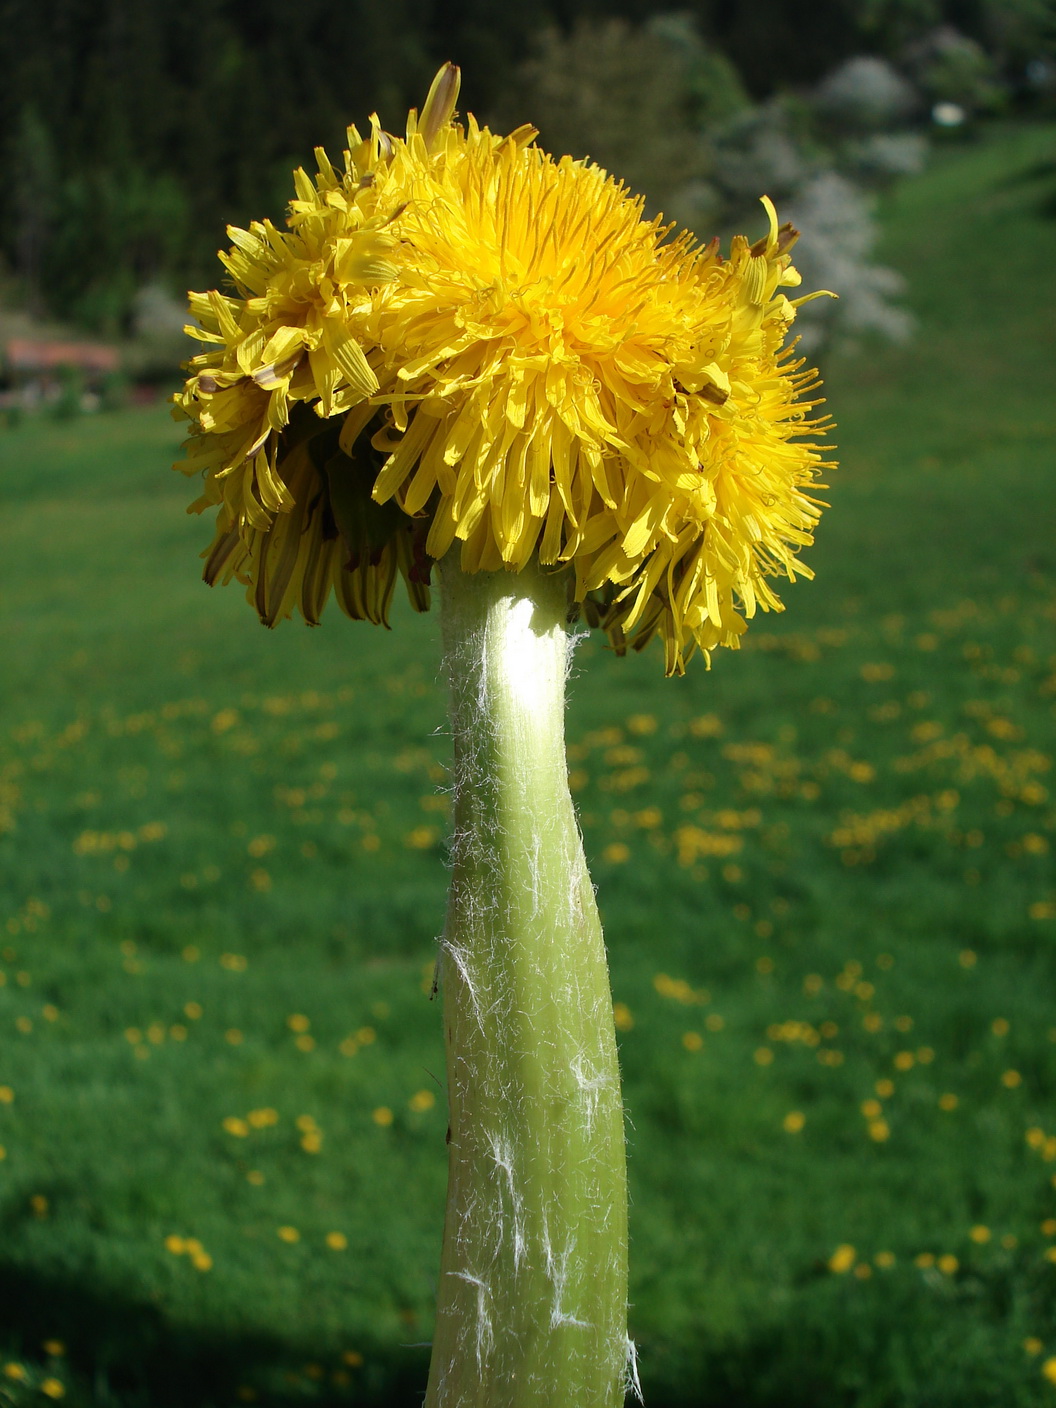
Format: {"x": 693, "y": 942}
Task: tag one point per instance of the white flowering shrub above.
{"x": 866, "y": 95}
{"x": 756, "y": 154}
{"x": 884, "y": 156}
{"x": 838, "y": 232}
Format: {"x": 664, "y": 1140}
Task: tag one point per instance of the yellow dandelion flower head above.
{"x": 460, "y": 343}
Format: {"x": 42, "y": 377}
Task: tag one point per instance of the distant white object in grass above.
{"x": 948, "y": 114}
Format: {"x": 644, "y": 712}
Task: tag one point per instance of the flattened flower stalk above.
{"x": 533, "y": 1286}
{"x": 462, "y": 358}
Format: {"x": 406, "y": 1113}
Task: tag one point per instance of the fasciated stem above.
{"x": 533, "y": 1279}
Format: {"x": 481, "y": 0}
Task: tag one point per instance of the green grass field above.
{"x": 825, "y": 869}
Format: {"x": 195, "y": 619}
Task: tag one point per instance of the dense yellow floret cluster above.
{"x": 462, "y": 344}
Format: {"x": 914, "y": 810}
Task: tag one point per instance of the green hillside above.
{"x": 825, "y": 869}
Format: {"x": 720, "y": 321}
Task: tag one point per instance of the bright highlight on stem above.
{"x": 533, "y": 1283}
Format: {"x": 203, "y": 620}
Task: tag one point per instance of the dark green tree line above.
{"x": 132, "y": 131}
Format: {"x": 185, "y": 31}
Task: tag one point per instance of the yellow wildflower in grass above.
{"x": 642, "y": 724}
{"x": 842, "y": 1259}
{"x": 622, "y": 1016}
{"x": 1048, "y": 1369}
{"x": 460, "y": 339}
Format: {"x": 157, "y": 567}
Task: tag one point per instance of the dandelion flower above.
{"x": 842, "y": 1259}
{"x": 462, "y": 362}
{"x": 460, "y": 342}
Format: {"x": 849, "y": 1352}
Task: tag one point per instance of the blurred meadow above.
{"x": 824, "y": 867}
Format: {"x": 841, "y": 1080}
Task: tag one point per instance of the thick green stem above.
{"x": 533, "y": 1279}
